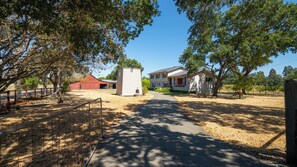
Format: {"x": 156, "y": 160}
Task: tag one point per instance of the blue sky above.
{"x": 160, "y": 45}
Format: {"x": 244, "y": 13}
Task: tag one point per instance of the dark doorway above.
{"x": 103, "y": 86}
{"x": 114, "y": 86}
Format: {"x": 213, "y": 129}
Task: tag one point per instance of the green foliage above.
{"x": 32, "y": 32}
{"x": 144, "y": 90}
{"x": 30, "y": 83}
{"x": 227, "y": 87}
{"x": 162, "y": 90}
{"x": 230, "y": 78}
{"x": 65, "y": 86}
{"x": 146, "y": 82}
{"x": 274, "y": 80}
{"x": 240, "y": 35}
{"x": 113, "y": 75}
{"x": 102, "y": 78}
{"x": 124, "y": 63}
{"x": 192, "y": 61}
{"x": 289, "y": 72}
{"x": 292, "y": 75}
{"x": 243, "y": 83}
{"x": 145, "y": 85}
{"x": 260, "y": 78}
{"x": 281, "y": 88}
{"x": 84, "y": 24}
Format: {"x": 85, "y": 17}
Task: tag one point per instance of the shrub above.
{"x": 281, "y": 88}
{"x": 145, "y": 85}
{"x": 162, "y": 90}
{"x": 144, "y": 90}
{"x": 65, "y": 86}
{"x": 146, "y": 82}
{"x": 30, "y": 83}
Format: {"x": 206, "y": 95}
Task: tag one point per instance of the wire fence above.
{"x": 65, "y": 138}
{"x": 12, "y": 97}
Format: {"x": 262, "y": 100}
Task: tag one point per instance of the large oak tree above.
{"x": 240, "y": 35}
{"x": 90, "y": 29}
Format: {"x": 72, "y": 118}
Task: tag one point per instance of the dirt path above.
{"x": 159, "y": 135}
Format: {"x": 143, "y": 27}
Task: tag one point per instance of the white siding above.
{"x": 129, "y": 80}
{"x": 199, "y": 84}
{"x": 158, "y": 82}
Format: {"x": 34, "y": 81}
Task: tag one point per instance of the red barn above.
{"x": 89, "y": 82}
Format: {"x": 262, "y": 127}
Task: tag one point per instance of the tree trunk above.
{"x": 243, "y": 91}
{"x": 239, "y": 95}
{"x": 55, "y": 84}
{"x": 216, "y": 89}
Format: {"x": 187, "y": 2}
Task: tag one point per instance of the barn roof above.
{"x": 90, "y": 78}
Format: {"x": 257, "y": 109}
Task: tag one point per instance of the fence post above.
{"x": 15, "y": 96}
{"x": 101, "y": 119}
{"x": 35, "y": 92}
{"x": 8, "y": 101}
{"x": 26, "y": 93}
{"x": 291, "y": 120}
{"x": 41, "y": 93}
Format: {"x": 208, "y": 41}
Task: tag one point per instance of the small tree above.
{"x": 274, "y": 80}
{"x": 145, "y": 85}
{"x": 30, "y": 83}
{"x": 243, "y": 83}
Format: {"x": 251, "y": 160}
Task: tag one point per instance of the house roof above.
{"x": 109, "y": 81}
{"x": 167, "y": 69}
{"x": 178, "y": 74}
{"x": 202, "y": 71}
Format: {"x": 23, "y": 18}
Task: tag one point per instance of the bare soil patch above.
{"x": 254, "y": 123}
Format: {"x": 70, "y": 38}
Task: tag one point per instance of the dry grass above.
{"x": 65, "y": 139}
{"x": 111, "y": 101}
{"x": 37, "y": 109}
{"x": 255, "y": 123}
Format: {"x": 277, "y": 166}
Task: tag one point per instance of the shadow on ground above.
{"x": 159, "y": 135}
{"x": 252, "y": 119}
{"x": 271, "y": 118}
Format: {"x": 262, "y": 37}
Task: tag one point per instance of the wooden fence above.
{"x": 10, "y": 97}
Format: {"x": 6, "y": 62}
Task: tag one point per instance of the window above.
{"x": 157, "y": 75}
{"x": 208, "y": 79}
{"x": 151, "y": 76}
{"x": 164, "y": 75}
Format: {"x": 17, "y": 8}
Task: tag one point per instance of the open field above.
{"x": 48, "y": 144}
{"x": 40, "y": 108}
{"x": 254, "y": 123}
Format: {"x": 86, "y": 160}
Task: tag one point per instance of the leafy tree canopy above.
{"x": 240, "y": 35}
{"x": 86, "y": 30}
{"x": 289, "y": 72}
{"x": 124, "y": 62}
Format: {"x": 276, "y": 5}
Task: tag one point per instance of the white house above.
{"x": 177, "y": 78}
{"x": 129, "y": 82}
